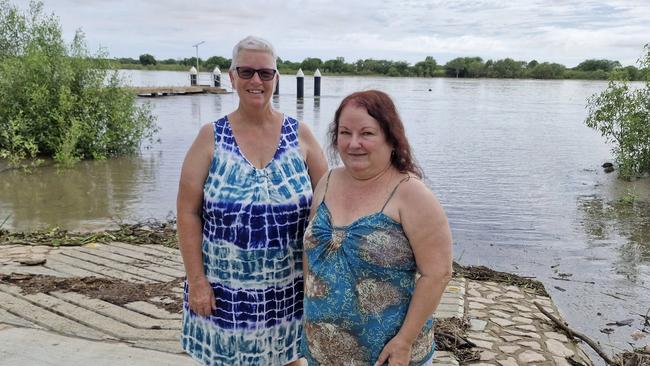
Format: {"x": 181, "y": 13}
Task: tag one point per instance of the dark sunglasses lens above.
{"x": 266, "y": 74}
{"x": 245, "y": 72}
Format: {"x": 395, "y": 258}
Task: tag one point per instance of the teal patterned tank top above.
{"x": 358, "y": 287}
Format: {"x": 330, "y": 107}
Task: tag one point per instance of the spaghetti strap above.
{"x": 393, "y": 192}
{"x": 327, "y": 184}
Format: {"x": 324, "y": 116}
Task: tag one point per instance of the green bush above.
{"x": 147, "y": 59}
{"x": 621, "y": 113}
{"x": 57, "y": 100}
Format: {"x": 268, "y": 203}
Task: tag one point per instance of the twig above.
{"x": 457, "y": 340}
{"x": 574, "y": 334}
{"x": 614, "y": 296}
{"x": 4, "y": 221}
{"x": 569, "y": 280}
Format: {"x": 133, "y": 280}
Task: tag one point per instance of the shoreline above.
{"x": 284, "y": 71}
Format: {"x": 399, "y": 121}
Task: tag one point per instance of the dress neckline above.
{"x": 357, "y": 220}
{"x": 241, "y": 153}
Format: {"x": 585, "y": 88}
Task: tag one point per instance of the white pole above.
{"x": 197, "y": 53}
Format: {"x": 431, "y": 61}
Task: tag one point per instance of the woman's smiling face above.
{"x": 254, "y": 92}
{"x": 361, "y": 143}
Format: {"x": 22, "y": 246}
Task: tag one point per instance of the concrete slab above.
{"x": 101, "y": 271}
{"x": 24, "y": 346}
{"x": 46, "y": 319}
{"x": 119, "y": 313}
{"x": 105, "y": 262}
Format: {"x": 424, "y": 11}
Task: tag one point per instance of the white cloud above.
{"x": 546, "y": 30}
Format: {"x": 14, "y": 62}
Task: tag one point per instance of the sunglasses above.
{"x": 248, "y": 73}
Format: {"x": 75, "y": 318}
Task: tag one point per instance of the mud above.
{"x": 151, "y": 232}
{"x": 114, "y": 291}
{"x": 481, "y": 273}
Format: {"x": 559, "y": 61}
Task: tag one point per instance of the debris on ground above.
{"x": 482, "y": 273}
{"x": 450, "y": 336}
{"x": 114, "y": 291}
{"x": 150, "y": 232}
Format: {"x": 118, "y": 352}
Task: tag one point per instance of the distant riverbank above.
{"x": 438, "y": 73}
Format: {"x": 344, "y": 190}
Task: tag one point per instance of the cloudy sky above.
{"x": 566, "y": 32}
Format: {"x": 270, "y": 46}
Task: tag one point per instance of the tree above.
{"x": 147, "y": 59}
{"x": 57, "y": 99}
{"x": 401, "y": 68}
{"x": 508, "y": 68}
{"x": 336, "y": 65}
{"x": 426, "y": 68}
{"x": 475, "y": 68}
{"x": 593, "y": 65}
{"x": 621, "y": 113}
{"x": 190, "y": 61}
{"x": 532, "y": 64}
{"x": 212, "y": 62}
{"x": 126, "y": 60}
{"x": 455, "y": 67}
{"x": 547, "y": 70}
{"x": 460, "y": 66}
{"x": 286, "y": 64}
{"x": 311, "y": 64}
{"x": 630, "y": 73}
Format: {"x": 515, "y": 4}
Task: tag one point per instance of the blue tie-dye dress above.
{"x": 253, "y": 223}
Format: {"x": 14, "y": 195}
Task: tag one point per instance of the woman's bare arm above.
{"x": 425, "y": 224}
{"x": 313, "y": 153}
{"x": 188, "y": 205}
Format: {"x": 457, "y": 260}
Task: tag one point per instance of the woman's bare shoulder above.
{"x": 414, "y": 193}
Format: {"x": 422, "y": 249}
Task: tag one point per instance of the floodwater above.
{"x": 512, "y": 162}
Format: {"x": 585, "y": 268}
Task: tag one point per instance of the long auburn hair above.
{"x": 380, "y": 107}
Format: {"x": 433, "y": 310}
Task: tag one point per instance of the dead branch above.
{"x": 574, "y": 334}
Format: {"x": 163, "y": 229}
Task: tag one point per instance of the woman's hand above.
{"x": 201, "y": 297}
{"x": 397, "y": 352}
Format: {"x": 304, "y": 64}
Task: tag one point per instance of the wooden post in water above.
{"x": 300, "y": 84}
{"x": 193, "y": 76}
{"x": 216, "y": 76}
{"x": 317, "y": 83}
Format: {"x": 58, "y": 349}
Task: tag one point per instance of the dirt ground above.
{"x": 114, "y": 291}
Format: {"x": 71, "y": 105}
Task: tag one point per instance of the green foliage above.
{"x": 311, "y": 64}
{"x": 189, "y": 62}
{"x": 338, "y": 65}
{"x": 169, "y": 61}
{"x": 629, "y": 73}
{"x": 628, "y": 198}
{"x": 621, "y": 113}
{"x": 586, "y": 75}
{"x": 214, "y": 61}
{"x": 147, "y": 59}
{"x": 462, "y": 67}
{"x": 546, "y": 70}
{"x": 56, "y": 100}
{"x": 458, "y": 67}
{"x": 426, "y": 68}
{"x": 593, "y": 65}
{"x": 508, "y": 68}
{"x": 127, "y": 60}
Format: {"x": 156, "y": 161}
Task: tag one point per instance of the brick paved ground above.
{"x": 505, "y": 325}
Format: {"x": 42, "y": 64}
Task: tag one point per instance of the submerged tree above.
{"x": 147, "y": 59}
{"x": 56, "y": 99}
{"x": 621, "y": 113}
